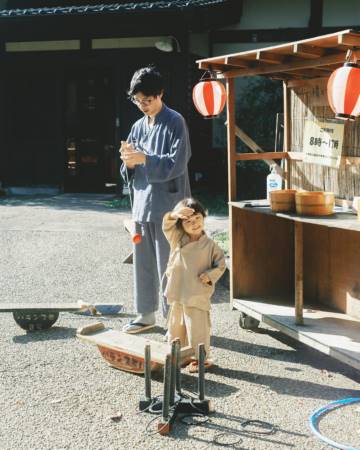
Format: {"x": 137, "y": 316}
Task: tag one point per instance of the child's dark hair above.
{"x": 192, "y": 203}
{"x": 147, "y": 80}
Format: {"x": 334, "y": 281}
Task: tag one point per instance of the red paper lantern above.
{"x": 209, "y": 97}
{"x": 344, "y": 91}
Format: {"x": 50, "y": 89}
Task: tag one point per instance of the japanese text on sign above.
{"x": 323, "y": 143}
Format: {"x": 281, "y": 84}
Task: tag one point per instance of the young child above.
{"x": 195, "y": 264}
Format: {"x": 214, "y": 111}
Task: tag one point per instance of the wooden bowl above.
{"x": 316, "y": 203}
{"x": 282, "y": 200}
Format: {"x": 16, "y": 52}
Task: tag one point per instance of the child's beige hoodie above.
{"x": 187, "y": 261}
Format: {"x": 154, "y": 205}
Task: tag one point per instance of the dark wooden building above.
{"x": 63, "y": 77}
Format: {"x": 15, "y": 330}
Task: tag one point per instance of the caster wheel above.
{"x": 35, "y": 321}
{"x": 248, "y": 323}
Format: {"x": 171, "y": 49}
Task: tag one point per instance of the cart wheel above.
{"x": 34, "y": 321}
{"x": 248, "y": 323}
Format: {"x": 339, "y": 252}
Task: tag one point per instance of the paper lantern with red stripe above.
{"x": 209, "y": 97}
{"x": 344, "y": 91}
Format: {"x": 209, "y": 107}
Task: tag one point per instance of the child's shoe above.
{"x": 193, "y": 367}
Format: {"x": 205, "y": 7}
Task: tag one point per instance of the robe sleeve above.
{"x": 172, "y": 164}
{"x": 171, "y": 231}
{"x": 218, "y": 264}
{"x": 130, "y": 172}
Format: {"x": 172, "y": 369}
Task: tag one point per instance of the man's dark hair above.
{"x": 147, "y": 80}
{"x": 192, "y": 203}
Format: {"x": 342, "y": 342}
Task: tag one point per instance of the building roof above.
{"x": 308, "y": 58}
{"x": 115, "y": 8}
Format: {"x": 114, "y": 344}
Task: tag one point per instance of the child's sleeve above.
{"x": 172, "y": 233}
{"x": 218, "y": 264}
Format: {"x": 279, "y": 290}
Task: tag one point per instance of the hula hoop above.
{"x": 316, "y": 415}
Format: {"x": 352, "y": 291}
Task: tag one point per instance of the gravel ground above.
{"x": 56, "y": 392}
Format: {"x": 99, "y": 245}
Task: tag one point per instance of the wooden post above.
{"x": 231, "y": 158}
{"x": 299, "y": 291}
{"x": 231, "y": 139}
{"x": 287, "y": 133}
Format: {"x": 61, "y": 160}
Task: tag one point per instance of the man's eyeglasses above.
{"x": 144, "y": 102}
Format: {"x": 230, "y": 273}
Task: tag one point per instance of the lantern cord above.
{"x": 352, "y": 55}
{"x": 208, "y": 75}
{"x": 348, "y": 55}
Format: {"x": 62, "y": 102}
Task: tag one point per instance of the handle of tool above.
{"x": 89, "y": 329}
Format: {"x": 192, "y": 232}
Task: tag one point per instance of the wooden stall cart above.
{"x": 299, "y": 274}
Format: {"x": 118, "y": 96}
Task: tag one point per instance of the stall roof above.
{"x": 308, "y": 58}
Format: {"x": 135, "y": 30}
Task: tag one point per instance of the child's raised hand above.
{"x": 182, "y": 213}
{"x": 204, "y": 277}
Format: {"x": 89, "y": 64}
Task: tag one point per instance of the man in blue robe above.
{"x": 156, "y": 155}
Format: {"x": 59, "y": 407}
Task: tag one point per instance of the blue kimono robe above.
{"x": 158, "y": 185}
{"x": 163, "y": 181}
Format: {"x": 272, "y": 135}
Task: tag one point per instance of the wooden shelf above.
{"x": 335, "y": 334}
{"x": 341, "y": 219}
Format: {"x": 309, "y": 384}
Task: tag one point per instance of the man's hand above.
{"x": 182, "y": 213}
{"x": 130, "y": 155}
{"x": 204, "y": 277}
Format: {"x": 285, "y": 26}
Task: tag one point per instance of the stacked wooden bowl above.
{"x": 315, "y": 203}
{"x": 282, "y": 200}
{"x": 306, "y": 203}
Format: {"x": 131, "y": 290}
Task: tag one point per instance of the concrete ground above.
{"x": 56, "y": 392}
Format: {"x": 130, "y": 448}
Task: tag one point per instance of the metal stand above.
{"x": 174, "y": 401}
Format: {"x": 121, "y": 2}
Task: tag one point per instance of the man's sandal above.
{"x": 193, "y": 367}
{"x": 136, "y": 327}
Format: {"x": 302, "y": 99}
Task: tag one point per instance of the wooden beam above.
{"x": 308, "y": 51}
{"x": 231, "y": 139}
{"x": 352, "y": 39}
{"x": 232, "y": 182}
{"x": 213, "y": 66}
{"x": 297, "y": 83}
{"x": 299, "y": 269}
{"x": 265, "y": 155}
{"x": 255, "y": 148}
{"x": 270, "y": 58}
{"x": 292, "y": 66}
{"x": 287, "y": 131}
{"x": 236, "y": 62}
{"x": 312, "y": 73}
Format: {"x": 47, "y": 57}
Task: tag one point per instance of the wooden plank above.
{"x": 334, "y": 334}
{"x": 270, "y": 58}
{"x": 298, "y": 83}
{"x": 264, "y": 155}
{"x": 45, "y": 307}
{"x": 263, "y": 257}
{"x": 351, "y": 39}
{"x": 345, "y": 220}
{"x": 299, "y": 289}
{"x": 308, "y": 51}
{"x": 231, "y": 152}
{"x": 236, "y": 62}
{"x": 231, "y": 140}
{"x": 287, "y": 128}
{"x": 246, "y": 139}
{"x": 134, "y": 345}
{"x": 213, "y": 66}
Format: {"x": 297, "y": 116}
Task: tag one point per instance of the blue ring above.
{"x": 316, "y": 415}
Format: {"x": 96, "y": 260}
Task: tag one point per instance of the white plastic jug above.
{"x": 273, "y": 181}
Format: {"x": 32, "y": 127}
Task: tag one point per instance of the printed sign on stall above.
{"x": 323, "y": 143}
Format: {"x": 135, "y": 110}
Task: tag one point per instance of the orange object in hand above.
{"x": 136, "y": 238}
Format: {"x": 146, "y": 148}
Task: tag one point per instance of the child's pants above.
{"x": 190, "y": 325}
